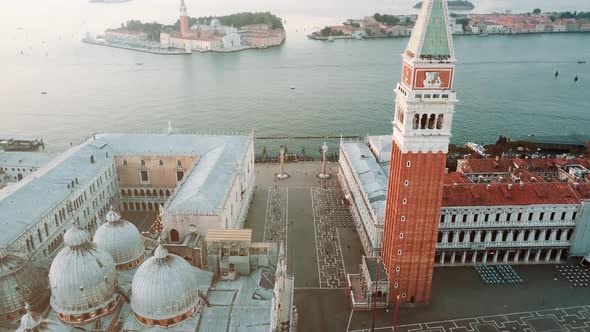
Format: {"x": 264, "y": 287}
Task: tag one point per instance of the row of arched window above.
{"x": 505, "y": 235}
{"x": 140, "y": 206}
{"x": 426, "y": 121}
{"x": 145, "y": 192}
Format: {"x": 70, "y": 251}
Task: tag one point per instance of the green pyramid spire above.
{"x": 431, "y": 38}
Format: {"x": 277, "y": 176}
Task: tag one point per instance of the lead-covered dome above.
{"x": 19, "y": 284}
{"x": 165, "y": 289}
{"x": 122, "y": 240}
{"x": 82, "y": 280}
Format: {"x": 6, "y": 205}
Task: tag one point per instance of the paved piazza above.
{"x": 328, "y": 213}
{"x": 555, "y": 320}
{"x": 308, "y": 215}
{"x": 275, "y": 224}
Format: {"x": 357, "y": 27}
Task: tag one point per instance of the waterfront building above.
{"x": 261, "y": 35}
{"x": 496, "y": 28}
{"x": 210, "y": 178}
{"x": 455, "y": 28}
{"x": 124, "y": 35}
{"x": 201, "y": 37}
{"x": 18, "y": 165}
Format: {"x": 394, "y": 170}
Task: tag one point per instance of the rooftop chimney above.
{"x": 497, "y": 158}
{"x": 446, "y": 171}
{"x": 521, "y": 184}
{"x": 510, "y": 186}
{"x": 488, "y": 186}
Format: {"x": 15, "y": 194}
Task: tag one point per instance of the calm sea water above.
{"x": 505, "y": 84}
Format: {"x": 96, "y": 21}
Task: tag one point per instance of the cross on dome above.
{"x": 75, "y": 236}
{"x": 113, "y": 216}
{"x": 160, "y": 251}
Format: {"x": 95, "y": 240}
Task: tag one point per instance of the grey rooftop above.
{"x": 371, "y": 178}
{"x": 25, "y": 203}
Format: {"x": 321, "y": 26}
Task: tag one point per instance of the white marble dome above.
{"x": 82, "y": 279}
{"x": 121, "y": 239}
{"x": 165, "y": 288}
{"x": 215, "y": 22}
{"x": 19, "y": 283}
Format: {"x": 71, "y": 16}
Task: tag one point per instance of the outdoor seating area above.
{"x": 498, "y": 274}
{"x": 577, "y": 276}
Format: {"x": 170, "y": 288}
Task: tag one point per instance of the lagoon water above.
{"x": 505, "y": 84}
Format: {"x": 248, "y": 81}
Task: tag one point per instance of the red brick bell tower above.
{"x": 425, "y": 102}
{"x": 183, "y": 19}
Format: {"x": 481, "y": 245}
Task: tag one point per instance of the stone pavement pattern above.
{"x": 555, "y": 320}
{"x": 330, "y": 212}
{"x": 275, "y": 225}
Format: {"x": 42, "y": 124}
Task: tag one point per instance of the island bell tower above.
{"x": 425, "y": 102}
{"x": 183, "y": 19}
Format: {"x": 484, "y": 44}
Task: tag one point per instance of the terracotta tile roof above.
{"x": 455, "y": 177}
{"x": 508, "y": 194}
{"x": 582, "y": 190}
{"x": 503, "y": 165}
{"x": 485, "y": 165}
{"x": 527, "y": 176}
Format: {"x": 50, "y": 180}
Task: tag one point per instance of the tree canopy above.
{"x": 386, "y": 19}
{"x": 327, "y": 31}
{"x": 151, "y": 29}
{"x": 536, "y": 11}
{"x": 575, "y": 14}
{"x": 238, "y": 20}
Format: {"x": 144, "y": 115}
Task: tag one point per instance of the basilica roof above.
{"x": 120, "y": 238}
{"x": 166, "y": 286}
{"x": 82, "y": 277}
{"x": 19, "y": 283}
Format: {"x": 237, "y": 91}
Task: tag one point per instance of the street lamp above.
{"x": 396, "y": 311}
{"x": 375, "y": 292}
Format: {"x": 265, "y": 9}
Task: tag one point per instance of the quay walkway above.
{"x": 138, "y": 48}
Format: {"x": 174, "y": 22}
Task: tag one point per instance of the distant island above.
{"x": 228, "y": 33}
{"x": 454, "y": 5}
{"x": 394, "y": 26}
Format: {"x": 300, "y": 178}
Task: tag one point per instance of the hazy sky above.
{"x": 49, "y": 10}
{"x": 43, "y": 20}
